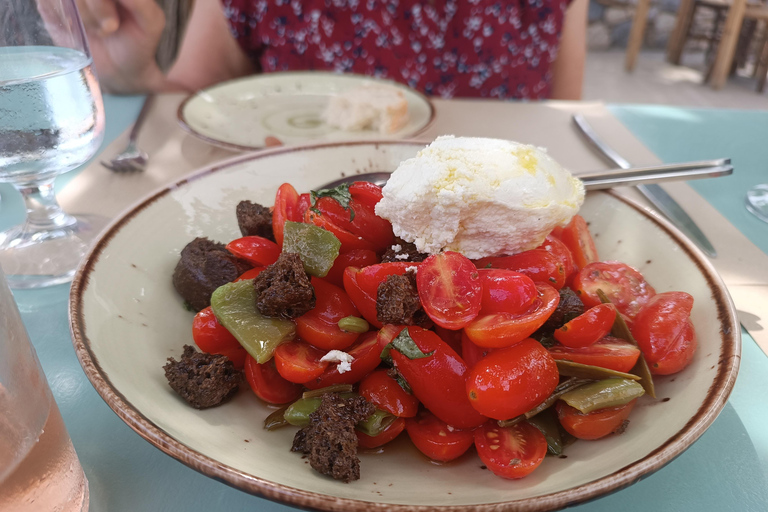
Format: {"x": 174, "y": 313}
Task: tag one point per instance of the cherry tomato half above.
{"x": 362, "y": 286}
{"x": 298, "y": 361}
{"x": 592, "y": 325}
{"x": 450, "y": 289}
{"x": 679, "y": 354}
{"x": 320, "y": 325}
{"x": 506, "y": 291}
{"x": 512, "y": 380}
{"x": 288, "y": 206}
{"x": 436, "y": 439}
{"x": 256, "y": 250}
{"x": 510, "y": 452}
{"x": 659, "y": 323}
{"x": 609, "y": 352}
{"x": 366, "y": 354}
{"x": 355, "y": 258}
{"x": 213, "y": 338}
{"x": 625, "y": 287}
{"x": 540, "y": 265}
{"x": 385, "y": 393}
{"x": 558, "y": 249}
{"x": 495, "y": 330}
{"x": 268, "y": 385}
{"x": 578, "y": 239}
{"x": 595, "y": 424}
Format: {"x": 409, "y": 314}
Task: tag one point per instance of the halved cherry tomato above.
{"x": 298, "y": 361}
{"x": 609, "y": 352}
{"x": 255, "y": 250}
{"x": 385, "y": 393}
{"x": 438, "y": 380}
{"x": 659, "y": 323}
{"x": 510, "y": 452}
{"x": 679, "y": 354}
{"x": 625, "y": 287}
{"x": 450, "y": 289}
{"x": 436, "y": 439}
{"x": 557, "y": 248}
{"x": 495, "y": 330}
{"x": 388, "y": 434}
{"x": 578, "y": 239}
{"x": 320, "y": 325}
{"x": 592, "y": 325}
{"x": 213, "y": 338}
{"x": 367, "y": 193}
{"x": 540, "y": 265}
{"x": 362, "y": 285}
{"x": 595, "y": 424}
{"x": 512, "y": 380}
{"x": 366, "y": 355}
{"x": 268, "y": 385}
{"x": 286, "y": 208}
{"x": 506, "y": 291}
{"x": 250, "y": 274}
{"x": 355, "y": 258}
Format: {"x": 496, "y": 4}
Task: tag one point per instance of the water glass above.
{"x": 39, "y": 469}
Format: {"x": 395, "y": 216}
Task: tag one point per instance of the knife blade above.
{"x": 657, "y": 196}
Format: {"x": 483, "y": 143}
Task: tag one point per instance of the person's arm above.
{"x": 208, "y": 53}
{"x": 568, "y": 68}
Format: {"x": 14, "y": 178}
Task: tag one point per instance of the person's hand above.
{"x": 123, "y": 36}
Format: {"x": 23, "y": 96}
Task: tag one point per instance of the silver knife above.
{"x": 654, "y": 193}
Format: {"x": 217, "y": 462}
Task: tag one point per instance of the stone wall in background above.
{"x": 611, "y": 20}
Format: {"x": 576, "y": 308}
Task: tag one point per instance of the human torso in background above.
{"x": 471, "y": 48}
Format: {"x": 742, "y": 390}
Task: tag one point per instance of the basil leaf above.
{"x": 341, "y": 194}
{"x": 406, "y": 346}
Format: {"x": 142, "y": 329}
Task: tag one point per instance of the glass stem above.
{"x": 43, "y": 211}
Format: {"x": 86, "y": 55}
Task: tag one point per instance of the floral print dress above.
{"x": 445, "y": 48}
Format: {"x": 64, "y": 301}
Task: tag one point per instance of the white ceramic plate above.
{"x": 127, "y": 319}
{"x": 240, "y": 114}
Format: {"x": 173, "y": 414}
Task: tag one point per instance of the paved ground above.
{"x": 655, "y": 82}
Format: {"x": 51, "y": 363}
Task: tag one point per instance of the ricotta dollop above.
{"x": 480, "y": 197}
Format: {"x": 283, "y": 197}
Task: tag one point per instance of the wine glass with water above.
{"x": 51, "y": 121}
{"x": 757, "y": 201}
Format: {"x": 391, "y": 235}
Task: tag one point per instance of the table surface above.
{"x": 725, "y": 469}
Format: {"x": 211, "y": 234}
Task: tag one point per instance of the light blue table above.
{"x": 724, "y": 471}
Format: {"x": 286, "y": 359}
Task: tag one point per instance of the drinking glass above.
{"x": 39, "y": 469}
{"x": 757, "y": 201}
{"x": 51, "y": 121}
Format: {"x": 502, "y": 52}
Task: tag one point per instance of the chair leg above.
{"x": 681, "y": 31}
{"x": 727, "y": 46}
{"x": 637, "y": 33}
{"x": 761, "y": 70}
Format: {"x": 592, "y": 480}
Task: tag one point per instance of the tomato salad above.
{"x": 515, "y": 355}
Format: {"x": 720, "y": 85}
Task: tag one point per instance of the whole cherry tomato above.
{"x": 362, "y": 286}
{"x": 506, "y": 291}
{"x": 298, "y": 361}
{"x": 213, "y": 338}
{"x": 320, "y": 325}
{"x": 513, "y": 380}
{"x": 385, "y": 393}
{"x": 438, "y": 380}
{"x": 592, "y": 325}
{"x": 450, "y": 289}
{"x": 496, "y": 330}
{"x": 289, "y": 205}
{"x": 659, "y": 323}
{"x": 366, "y": 354}
{"x": 436, "y": 439}
{"x": 595, "y": 424}
{"x": 358, "y": 218}
{"x": 540, "y": 265}
{"x": 349, "y": 240}
{"x": 609, "y": 352}
{"x": 578, "y": 239}
{"x": 269, "y": 385}
{"x": 255, "y": 250}
{"x": 626, "y": 288}
{"x": 679, "y": 354}
{"x": 472, "y": 353}
{"x": 388, "y": 434}
{"x": 510, "y": 452}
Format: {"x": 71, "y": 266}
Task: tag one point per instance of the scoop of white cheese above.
{"x": 480, "y": 197}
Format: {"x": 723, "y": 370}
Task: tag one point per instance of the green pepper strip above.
{"x": 587, "y": 371}
{"x": 276, "y": 419}
{"x": 621, "y": 330}
{"x": 603, "y": 393}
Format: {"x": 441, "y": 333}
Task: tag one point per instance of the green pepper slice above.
{"x": 317, "y": 247}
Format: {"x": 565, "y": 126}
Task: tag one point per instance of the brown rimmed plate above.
{"x": 126, "y": 319}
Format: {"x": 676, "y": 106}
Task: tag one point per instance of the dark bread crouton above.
{"x": 283, "y": 289}
{"x": 254, "y": 219}
{"x": 203, "y": 380}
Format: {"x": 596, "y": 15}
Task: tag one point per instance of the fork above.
{"x": 132, "y": 159}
